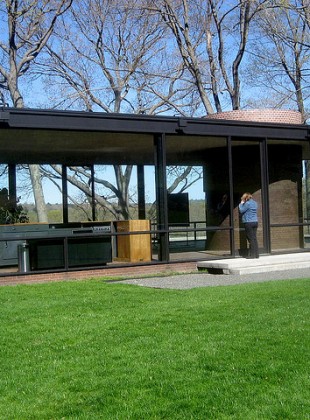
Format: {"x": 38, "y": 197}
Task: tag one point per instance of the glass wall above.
{"x": 118, "y": 191}
{"x": 48, "y": 179}
{"x": 192, "y": 212}
{"x": 287, "y": 202}
{"x": 198, "y": 197}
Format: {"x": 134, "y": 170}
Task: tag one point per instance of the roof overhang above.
{"x": 47, "y": 136}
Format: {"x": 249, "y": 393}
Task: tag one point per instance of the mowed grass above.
{"x": 93, "y": 350}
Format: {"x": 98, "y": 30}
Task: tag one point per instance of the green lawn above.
{"x": 96, "y": 350}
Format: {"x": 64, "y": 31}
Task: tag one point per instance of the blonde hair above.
{"x": 246, "y": 196}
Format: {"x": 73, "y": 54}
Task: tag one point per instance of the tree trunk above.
{"x": 36, "y": 182}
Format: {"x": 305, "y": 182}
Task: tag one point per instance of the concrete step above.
{"x": 263, "y": 264}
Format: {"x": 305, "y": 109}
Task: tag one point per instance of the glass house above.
{"x": 136, "y": 189}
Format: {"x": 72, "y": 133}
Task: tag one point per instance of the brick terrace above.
{"x": 124, "y": 272}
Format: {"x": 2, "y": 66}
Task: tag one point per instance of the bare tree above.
{"x": 187, "y": 35}
{"x": 238, "y": 26}
{"x": 177, "y": 56}
{"x": 103, "y": 53}
{"x": 116, "y": 198}
{"x": 211, "y": 36}
{"x": 102, "y": 50}
{"x": 29, "y": 26}
{"x": 116, "y": 202}
{"x": 112, "y": 57}
{"x": 283, "y": 57}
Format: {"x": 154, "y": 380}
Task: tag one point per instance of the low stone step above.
{"x": 269, "y": 267}
{"x": 261, "y": 265}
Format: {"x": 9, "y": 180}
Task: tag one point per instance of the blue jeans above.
{"x": 250, "y": 232}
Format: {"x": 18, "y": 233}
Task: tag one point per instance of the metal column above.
{"x": 141, "y": 192}
{"x": 65, "y": 214}
{"x": 161, "y": 196}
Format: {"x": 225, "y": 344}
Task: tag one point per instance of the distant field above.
{"x": 93, "y": 350}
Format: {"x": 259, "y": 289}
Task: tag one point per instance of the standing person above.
{"x": 248, "y": 210}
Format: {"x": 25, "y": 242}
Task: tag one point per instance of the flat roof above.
{"x": 49, "y": 136}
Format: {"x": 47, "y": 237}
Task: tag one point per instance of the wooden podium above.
{"x": 135, "y": 247}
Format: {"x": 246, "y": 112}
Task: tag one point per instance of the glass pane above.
{"x": 4, "y": 183}
{"x": 117, "y": 192}
{"x": 285, "y": 183}
{"x": 50, "y": 181}
{"x": 24, "y": 192}
{"x": 150, "y": 193}
{"x": 246, "y": 178}
{"x": 198, "y": 196}
{"x": 287, "y": 199}
{"x": 52, "y": 191}
{"x": 79, "y": 184}
{"x": 286, "y": 238}
{"x": 4, "y": 194}
{"x": 106, "y": 193}
{"x": 186, "y": 208}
